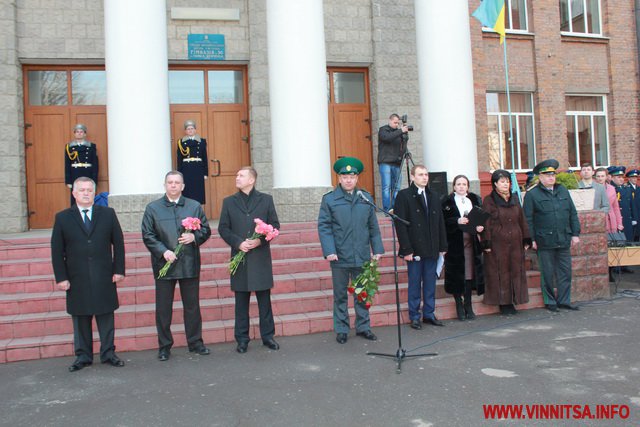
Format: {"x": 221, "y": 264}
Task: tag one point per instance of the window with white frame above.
{"x": 522, "y": 120}
{"x": 580, "y": 17}
{"x": 515, "y": 17}
{"x": 587, "y": 139}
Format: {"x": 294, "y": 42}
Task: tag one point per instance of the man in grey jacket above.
{"x": 161, "y": 232}
{"x": 349, "y": 233}
{"x": 601, "y": 202}
{"x": 392, "y": 143}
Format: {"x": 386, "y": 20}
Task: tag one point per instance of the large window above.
{"x": 580, "y": 17}
{"x": 515, "y": 17}
{"x": 587, "y": 130}
{"x": 522, "y": 119}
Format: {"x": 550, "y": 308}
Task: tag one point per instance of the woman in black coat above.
{"x": 463, "y": 261}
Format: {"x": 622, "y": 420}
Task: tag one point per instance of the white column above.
{"x": 445, "y": 74}
{"x": 137, "y": 95}
{"x": 298, "y": 94}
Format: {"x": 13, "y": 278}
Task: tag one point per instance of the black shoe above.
{"x": 551, "y": 307}
{"x": 367, "y": 335}
{"x": 415, "y": 324}
{"x": 242, "y": 347}
{"x": 78, "y": 364}
{"x": 504, "y": 310}
{"x": 459, "y": 308}
{"x": 114, "y": 361}
{"x": 163, "y": 355}
{"x": 341, "y": 338}
{"x": 202, "y": 350}
{"x": 434, "y": 322}
{"x": 508, "y": 309}
{"x": 569, "y": 306}
{"x": 272, "y": 344}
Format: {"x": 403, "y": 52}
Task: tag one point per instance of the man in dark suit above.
{"x": 255, "y": 274}
{"x": 421, "y": 244}
{"x": 87, "y": 252}
{"x": 161, "y": 232}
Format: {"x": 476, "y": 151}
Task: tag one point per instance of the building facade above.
{"x": 301, "y": 84}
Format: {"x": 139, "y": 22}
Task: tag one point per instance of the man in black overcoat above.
{"x": 421, "y": 244}
{"x": 87, "y": 252}
{"x": 255, "y": 274}
{"x": 162, "y": 230}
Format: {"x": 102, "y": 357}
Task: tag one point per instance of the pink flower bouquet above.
{"x": 262, "y": 230}
{"x": 189, "y": 224}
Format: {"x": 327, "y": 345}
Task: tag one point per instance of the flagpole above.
{"x": 514, "y": 182}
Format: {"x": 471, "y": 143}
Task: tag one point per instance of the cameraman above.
{"x": 392, "y": 142}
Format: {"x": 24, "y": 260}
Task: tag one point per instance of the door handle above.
{"x": 214, "y": 161}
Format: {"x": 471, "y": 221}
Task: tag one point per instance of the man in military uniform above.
{"x": 625, "y": 200}
{"x": 632, "y": 180}
{"x": 191, "y": 159}
{"x": 554, "y": 226}
{"x": 349, "y": 233}
{"x": 81, "y": 158}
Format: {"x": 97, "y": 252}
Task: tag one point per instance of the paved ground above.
{"x": 588, "y": 357}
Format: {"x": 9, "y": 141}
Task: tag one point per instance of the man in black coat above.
{"x": 87, "y": 253}
{"x": 421, "y": 244}
{"x": 162, "y": 231}
{"x": 255, "y": 274}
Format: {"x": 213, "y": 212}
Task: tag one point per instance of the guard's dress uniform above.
{"x": 81, "y": 159}
{"x": 625, "y": 200}
{"x": 194, "y": 166}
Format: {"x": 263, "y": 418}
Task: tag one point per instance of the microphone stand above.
{"x": 400, "y": 353}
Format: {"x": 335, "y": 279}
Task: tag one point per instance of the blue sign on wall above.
{"x": 208, "y": 47}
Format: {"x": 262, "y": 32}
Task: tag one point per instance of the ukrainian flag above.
{"x": 491, "y": 14}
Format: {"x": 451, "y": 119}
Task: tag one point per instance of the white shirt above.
{"x": 89, "y": 212}
{"x": 463, "y": 204}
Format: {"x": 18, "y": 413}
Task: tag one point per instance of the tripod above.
{"x": 401, "y": 353}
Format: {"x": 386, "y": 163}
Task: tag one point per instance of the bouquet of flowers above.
{"x": 262, "y": 230}
{"x": 189, "y": 225}
{"x": 365, "y": 285}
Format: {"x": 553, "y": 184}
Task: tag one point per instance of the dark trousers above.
{"x": 83, "y": 337}
{"x": 422, "y": 286}
{"x": 267, "y": 326}
{"x": 555, "y": 266}
{"x": 190, "y": 294}
{"x": 341, "y": 278}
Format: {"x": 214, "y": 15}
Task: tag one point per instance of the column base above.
{"x": 130, "y": 208}
{"x": 298, "y": 204}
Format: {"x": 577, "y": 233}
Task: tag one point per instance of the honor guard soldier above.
{"x": 632, "y": 181}
{"x": 625, "y": 200}
{"x": 192, "y": 162}
{"x": 81, "y": 158}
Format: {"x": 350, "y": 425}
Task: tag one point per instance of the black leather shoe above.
{"x": 434, "y": 322}
{"x": 367, "y": 335}
{"x": 341, "y": 338}
{"x": 114, "y": 361}
{"x": 415, "y": 324}
{"x": 202, "y": 351}
{"x": 569, "y": 307}
{"x": 163, "y": 355}
{"x": 551, "y": 307}
{"x": 242, "y": 347}
{"x": 78, "y": 364}
{"x": 272, "y": 344}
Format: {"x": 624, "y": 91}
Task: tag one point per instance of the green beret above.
{"x": 348, "y": 165}
{"x": 546, "y": 166}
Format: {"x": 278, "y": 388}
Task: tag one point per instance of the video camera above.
{"x": 404, "y": 119}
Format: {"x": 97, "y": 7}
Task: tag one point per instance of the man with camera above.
{"x": 392, "y": 143}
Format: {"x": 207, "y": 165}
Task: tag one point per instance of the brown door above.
{"x": 222, "y": 118}
{"x": 350, "y": 120}
{"x": 49, "y": 120}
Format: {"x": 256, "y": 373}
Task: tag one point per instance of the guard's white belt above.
{"x": 192, "y": 159}
{"x": 81, "y": 165}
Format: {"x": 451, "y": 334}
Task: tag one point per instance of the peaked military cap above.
{"x": 546, "y": 166}
{"x": 190, "y": 123}
{"x": 80, "y": 126}
{"x": 616, "y": 170}
{"x": 633, "y": 173}
{"x": 348, "y": 165}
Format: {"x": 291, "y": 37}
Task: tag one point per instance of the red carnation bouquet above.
{"x": 262, "y": 230}
{"x": 365, "y": 285}
{"x": 189, "y": 225}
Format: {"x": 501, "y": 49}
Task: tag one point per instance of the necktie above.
{"x": 424, "y": 196}
{"x": 85, "y": 217}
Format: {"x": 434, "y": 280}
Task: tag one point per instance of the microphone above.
{"x": 362, "y": 196}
